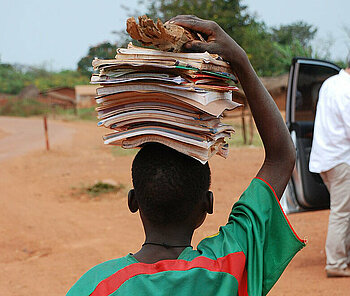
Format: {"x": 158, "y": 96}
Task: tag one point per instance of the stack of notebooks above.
{"x": 176, "y": 99}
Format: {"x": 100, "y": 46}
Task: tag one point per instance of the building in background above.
{"x": 85, "y": 95}
{"x": 63, "y": 97}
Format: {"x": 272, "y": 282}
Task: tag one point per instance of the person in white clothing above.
{"x": 330, "y": 156}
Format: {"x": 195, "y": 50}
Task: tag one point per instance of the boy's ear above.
{"x": 132, "y": 202}
{"x": 210, "y": 202}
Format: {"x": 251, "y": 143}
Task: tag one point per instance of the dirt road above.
{"x": 50, "y": 233}
{"x": 21, "y": 135}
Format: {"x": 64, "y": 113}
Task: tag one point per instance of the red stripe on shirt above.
{"x": 233, "y": 264}
{"x": 284, "y": 214}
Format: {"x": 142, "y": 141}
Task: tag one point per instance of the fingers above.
{"x": 196, "y": 46}
{"x": 193, "y": 23}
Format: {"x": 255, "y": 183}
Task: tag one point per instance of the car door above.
{"x": 305, "y": 190}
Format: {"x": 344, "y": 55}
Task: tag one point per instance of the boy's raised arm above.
{"x": 279, "y": 149}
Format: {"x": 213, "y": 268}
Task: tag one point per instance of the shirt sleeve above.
{"x": 258, "y": 225}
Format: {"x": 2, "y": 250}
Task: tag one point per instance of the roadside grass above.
{"x": 23, "y": 108}
{"x": 32, "y": 107}
{"x": 97, "y": 189}
{"x": 237, "y": 139}
{"x": 71, "y": 115}
{"x": 119, "y": 151}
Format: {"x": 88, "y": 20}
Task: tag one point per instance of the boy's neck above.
{"x": 170, "y": 235}
{"x": 177, "y": 238}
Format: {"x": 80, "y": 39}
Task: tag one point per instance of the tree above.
{"x": 285, "y": 53}
{"x": 300, "y": 31}
{"x": 290, "y": 41}
{"x": 104, "y": 50}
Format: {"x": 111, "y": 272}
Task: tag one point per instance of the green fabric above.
{"x": 269, "y": 244}
{"x": 88, "y": 282}
{"x": 256, "y": 227}
{"x": 192, "y": 282}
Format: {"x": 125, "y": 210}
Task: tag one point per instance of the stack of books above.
{"x": 176, "y": 99}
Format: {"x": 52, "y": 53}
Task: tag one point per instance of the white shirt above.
{"x": 331, "y": 141}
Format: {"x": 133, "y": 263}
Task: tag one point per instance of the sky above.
{"x": 328, "y": 16}
{"x": 56, "y": 34}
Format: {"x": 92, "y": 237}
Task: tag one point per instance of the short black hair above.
{"x": 168, "y": 184}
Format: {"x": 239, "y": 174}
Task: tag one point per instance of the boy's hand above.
{"x": 217, "y": 40}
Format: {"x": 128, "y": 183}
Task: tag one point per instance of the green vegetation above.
{"x": 66, "y": 78}
{"x": 104, "y": 50}
{"x": 14, "y": 78}
{"x": 119, "y": 151}
{"x": 237, "y": 139}
{"x": 99, "y": 188}
{"x": 31, "y": 107}
{"x": 80, "y": 114}
{"x": 23, "y": 108}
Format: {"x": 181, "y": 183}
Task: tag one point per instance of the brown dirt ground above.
{"x": 3, "y": 134}
{"x": 50, "y": 234}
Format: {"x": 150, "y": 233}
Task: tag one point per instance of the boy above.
{"x": 171, "y": 192}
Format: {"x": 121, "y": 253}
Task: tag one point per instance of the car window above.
{"x": 310, "y": 79}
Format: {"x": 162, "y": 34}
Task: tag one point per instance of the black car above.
{"x": 305, "y": 190}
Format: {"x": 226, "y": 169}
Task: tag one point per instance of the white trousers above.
{"x": 337, "y": 181}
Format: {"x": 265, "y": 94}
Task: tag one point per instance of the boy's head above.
{"x": 170, "y": 187}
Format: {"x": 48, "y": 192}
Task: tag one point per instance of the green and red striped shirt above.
{"x": 246, "y": 257}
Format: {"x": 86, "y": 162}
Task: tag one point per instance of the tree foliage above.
{"x": 65, "y": 78}
{"x": 289, "y": 41}
{"x": 297, "y": 31}
{"x": 103, "y": 50}
{"x": 12, "y": 80}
